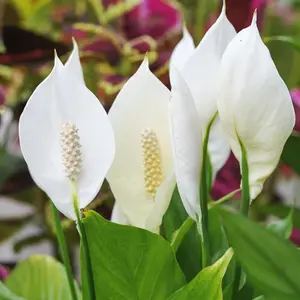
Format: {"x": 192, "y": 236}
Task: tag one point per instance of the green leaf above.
{"x": 39, "y": 277}
{"x": 130, "y": 263}
{"x": 207, "y": 285}
{"x": 189, "y": 251}
{"x": 271, "y": 263}
{"x": 291, "y": 152}
{"x": 279, "y": 210}
{"x": 180, "y": 233}
{"x": 174, "y": 217}
{"x": 245, "y": 293}
{"x": 283, "y": 227}
{"x": 6, "y": 294}
{"x": 219, "y": 244}
{"x": 289, "y": 40}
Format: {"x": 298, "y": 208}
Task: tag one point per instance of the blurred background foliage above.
{"x": 114, "y": 36}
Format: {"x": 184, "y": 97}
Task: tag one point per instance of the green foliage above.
{"x": 39, "y": 277}
{"x": 283, "y": 227}
{"x": 182, "y": 232}
{"x": 291, "y": 41}
{"x": 291, "y": 152}
{"x": 189, "y": 251}
{"x": 6, "y": 294}
{"x": 281, "y": 211}
{"x": 271, "y": 263}
{"x": 130, "y": 263}
{"x": 207, "y": 285}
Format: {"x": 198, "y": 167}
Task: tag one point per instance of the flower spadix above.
{"x": 254, "y": 104}
{"x": 194, "y": 74}
{"x": 66, "y": 138}
{"x": 141, "y": 176}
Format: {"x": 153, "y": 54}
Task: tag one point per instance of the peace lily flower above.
{"x": 254, "y": 104}
{"x": 141, "y": 176}
{"x": 187, "y": 144}
{"x": 65, "y": 137}
{"x": 198, "y": 82}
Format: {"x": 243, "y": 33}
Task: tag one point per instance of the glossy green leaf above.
{"x": 189, "y": 251}
{"x": 289, "y": 40}
{"x": 39, "y": 277}
{"x": 130, "y": 263}
{"x": 245, "y": 293}
{"x": 207, "y": 285}
{"x": 180, "y": 233}
{"x": 291, "y": 152}
{"x": 283, "y": 227}
{"x": 6, "y": 294}
{"x": 271, "y": 263}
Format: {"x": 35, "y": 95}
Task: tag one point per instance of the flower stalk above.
{"x": 63, "y": 250}
{"x": 244, "y": 209}
{"x": 204, "y": 195}
{"x": 84, "y": 244}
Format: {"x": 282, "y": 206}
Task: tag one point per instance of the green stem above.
{"x": 244, "y": 209}
{"x": 85, "y": 246}
{"x": 245, "y": 183}
{"x": 204, "y": 193}
{"x": 99, "y": 11}
{"x": 63, "y": 250}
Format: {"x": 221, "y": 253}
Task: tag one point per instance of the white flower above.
{"x": 187, "y": 144}
{"x": 254, "y": 105}
{"x": 141, "y": 176}
{"x": 117, "y": 216}
{"x": 66, "y": 137}
{"x": 197, "y": 82}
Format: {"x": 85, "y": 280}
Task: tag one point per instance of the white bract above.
{"x": 198, "y": 82}
{"x": 187, "y": 144}
{"x": 254, "y": 105}
{"x": 65, "y": 137}
{"x": 141, "y": 176}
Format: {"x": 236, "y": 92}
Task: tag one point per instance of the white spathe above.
{"x": 63, "y": 97}
{"x": 200, "y": 68}
{"x": 183, "y": 51}
{"x": 194, "y": 76}
{"x": 117, "y": 216}
{"x": 254, "y": 105}
{"x": 141, "y": 105}
{"x": 187, "y": 144}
